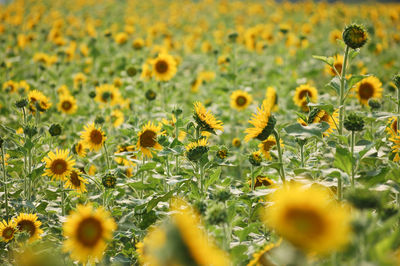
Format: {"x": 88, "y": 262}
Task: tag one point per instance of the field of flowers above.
{"x": 207, "y": 132}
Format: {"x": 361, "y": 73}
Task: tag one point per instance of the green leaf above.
{"x": 343, "y": 159}
{"x": 334, "y": 84}
{"x": 153, "y": 202}
{"x": 147, "y": 167}
{"x": 327, "y": 60}
{"x": 314, "y": 130}
{"x": 327, "y": 107}
{"x": 213, "y": 177}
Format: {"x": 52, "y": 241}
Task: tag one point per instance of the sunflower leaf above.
{"x": 334, "y": 84}
{"x": 314, "y": 130}
{"x": 327, "y": 107}
{"x": 343, "y": 159}
{"x": 327, "y": 60}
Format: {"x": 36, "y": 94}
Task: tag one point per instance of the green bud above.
{"x": 374, "y": 103}
{"x": 217, "y": 214}
{"x": 150, "y": 95}
{"x": 355, "y": 36}
{"x": 233, "y": 36}
{"x": 255, "y": 158}
{"x": 55, "y": 130}
{"x": 92, "y": 94}
{"x": 99, "y": 120}
{"x": 109, "y": 180}
{"x": 21, "y": 103}
{"x": 131, "y": 71}
{"x": 353, "y": 122}
{"x": 222, "y": 153}
{"x": 30, "y": 131}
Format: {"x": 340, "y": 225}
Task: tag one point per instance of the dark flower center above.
{"x": 89, "y": 232}
{"x": 27, "y": 226}
{"x": 59, "y": 166}
{"x": 161, "y": 66}
{"x": 148, "y": 139}
{"x": 96, "y": 137}
{"x": 241, "y": 101}
{"x": 74, "y": 179}
{"x": 366, "y": 91}
{"x": 66, "y": 105}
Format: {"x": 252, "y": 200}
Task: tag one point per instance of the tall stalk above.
{"x": 3, "y": 162}
{"x": 278, "y": 144}
{"x": 352, "y": 158}
{"x": 342, "y": 92}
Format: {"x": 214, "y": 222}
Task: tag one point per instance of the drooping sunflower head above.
{"x": 260, "y": 258}
{"x": 29, "y": 224}
{"x": 271, "y": 97}
{"x": 355, "y": 36}
{"x": 37, "y": 100}
{"x": 58, "y": 164}
{"x": 93, "y": 137}
{"x": 87, "y": 231}
{"x": 263, "y": 122}
{"x": 301, "y": 94}
{"x": 7, "y": 230}
{"x": 205, "y": 119}
{"x": 196, "y": 149}
{"x": 240, "y": 100}
{"x": 368, "y": 88}
{"x": 67, "y": 104}
{"x": 147, "y": 139}
{"x": 164, "y": 67}
{"x": 266, "y": 145}
{"x": 302, "y": 214}
{"x": 318, "y": 115}
{"x": 76, "y": 181}
{"x": 255, "y": 158}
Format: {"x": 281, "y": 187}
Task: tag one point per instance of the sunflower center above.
{"x": 366, "y": 91}
{"x": 305, "y": 222}
{"x": 66, "y": 105}
{"x": 27, "y": 226}
{"x": 394, "y": 125}
{"x": 59, "y": 166}
{"x": 268, "y": 144}
{"x": 241, "y": 100}
{"x": 161, "y": 66}
{"x": 96, "y": 137}
{"x": 148, "y": 139}
{"x": 8, "y": 233}
{"x": 74, "y": 179}
{"x": 89, "y": 231}
{"x": 304, "y": 93}
{"x": 338, "y": 67}
{"x": 105, "y": 96}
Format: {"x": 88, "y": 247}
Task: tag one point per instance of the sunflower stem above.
{"x": 201, "y": 180}
{"x": 342, "y": 92}
{"x": 3, "y": 162}
{"x": 398, "y": 110}
{"x": 142, "y": 177}
{"x": 352, "y": 158}
{"x": 197, "y": 133}
{"x": 62, "y": 198}
{"x": 278, "y": 144}
{"x": 302, "y": 154}
{"x": 339, "y": 188}
{"x": 106, "y": 155}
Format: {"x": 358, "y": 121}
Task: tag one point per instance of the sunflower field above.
{"x": 209, "y": 132}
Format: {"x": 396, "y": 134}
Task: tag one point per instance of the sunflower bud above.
{"x": 99, "y": 120}
{"x": 222, "y": 153}
{"x": 109, "y": 180}
{"x": 221, "y": 195}
{"x": 236, "y": 142}
{"x": 92, "y": 94}
{"x": 353, "y": 122}
{"x": 355, "y": 36}
{"x": 200, "y": 206}
{"x": 196, "y": 153}
{"x": 151, "y": 95}
{"x": 30, "y": 131}
{"x": 396, "y": 80}
{"x": 131, "y": 71}
{"x": 233, "y": 36}
{"x": 21, "y": 103}
{"x": 374, "y": 104}
{"x": 255, "y": 158}
{"x": 217, "y": 214}
{"x": 55, "y": 130}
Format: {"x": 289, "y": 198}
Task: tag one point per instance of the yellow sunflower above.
{"x": 337, "y": 64}
{"x": 67, "y": 104}
{"x": 146, "y": 72}
{"x": 23, "y": 86}
{"x": 396, "y": 147}
{"x": 261, "y": 181}
{"x": 263, "y": 123}
{"x": 309, "y": 218}
{"x": 260, "y": 259}
{"x": 38, "y": 99}
{"x": 335, "y": 35}
{"x": 28, "y": 223}
{"x": 300, "y": 98}
{"x": 108, "y": 94}
{"x": 391, "y": 128}
{"x": 10, "y": 86}
{"x": 125, "y": 151}
{"x": 117, "y": 118}
{"x": 370, "y": 87}
{"x": 205, "y": 119}
{"x": 76, "y": 181}
{"x": 240, "y": 100}
{"x": 201, "y": 249}
{"x": 7, "y": 230}
{"x": 266, "y": 145}
{"x": 236, "y": 142}
{"x": 79, "y": 80}
{"x": 87, "y": 231}
{"x": 92, "y": 137}
{"x": 318, "y": 116}
{"x": 147, "y": 139}
{"x": 164, "y": 67}
{"x": 80, "y": 148}
{"x": 271, "y": 97}
{"x": 150, "y": 246}
{"x": 59, "y": 164}
{"x": 196, "y": 149}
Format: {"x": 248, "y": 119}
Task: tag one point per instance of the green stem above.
{"x": 342, "y": 92}
{"x": 3, "y": 162}
{"x": 106, "y": 155}
{"x": 339, "y": 188}
{"x": 252, "y": 177}
{"x": 278, "y": 144}
{"x": 398, "y": 110}
{"x": 352, "y": 158}
{"x": 302, "y": 155}
{"x": 62, "y": 198}
{"x": 197, "y": 133}
{"x": 142, "y": 177}
{"x": 201, "y": 180}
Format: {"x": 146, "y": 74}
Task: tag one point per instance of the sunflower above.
{"x": 92, "y": 137}
{"x": 10, "y": 86}
{"x": 261, "y": 181}
{"x": 67, "y": 104}
{"x": 271, "y": 97}
{"x": 302, "y": 91}
{"x": 201, "y": 249}
{"x": 266, "y": 145}
{"x": 396, "y": 147}
{"x": 259, "y": 258}
{"x": 335, "y": 35}
{"x": 309, "y": 218}
{"x": 236, "y": 142}
{"x": 240, "y": 100}
{"x": 337, "y": 64}
{"x": 263, "y": 123}
{"x": 7, "y": 230}
{"x": 28, "y": 223}
{"x": 196, "y": 149}
{"x": 205, "y": 119}
{"x": 391, "y": 128}
{"x": 164, "y": 67}
{"x": 148, "y": 248}
{"x": 63, "y": 89}
{"x": 147, "y": 138}
{"x": 108, "y": 94}
{"x": 146, "y": 72}
{"x": 23, "y": 86}
{"x": 6, "y": 157}
{"x": 79, "y": 80}
{"x": 76, "y": 181}
{"x": 117, "y": 118}
{"x": 87, "y": 230}
{"x": 121, "y": 152}
{"x": 370, "y": 87}
{"x": 38, "y": 99}
{"x": 59, "y": 164}
{"x": 80, "y": 148}
{"x": 318, "y": 116}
